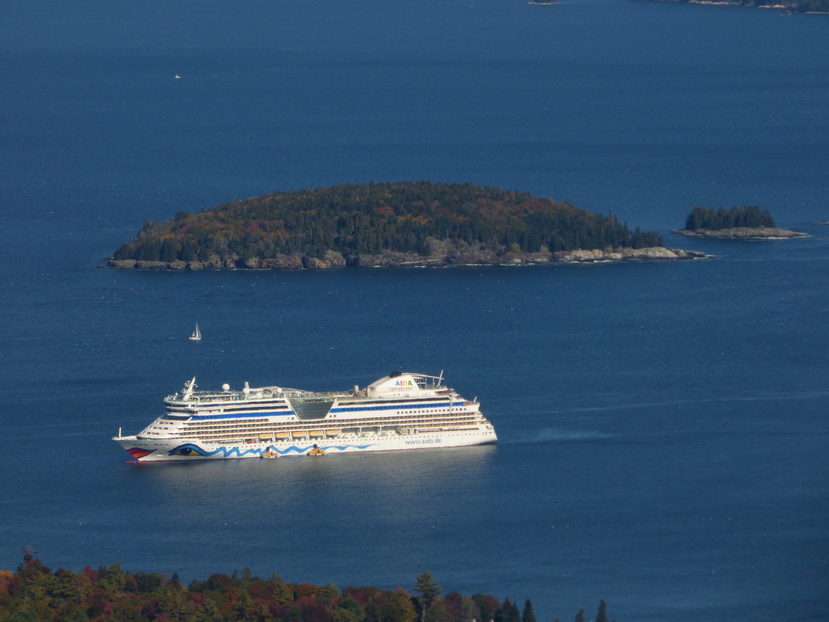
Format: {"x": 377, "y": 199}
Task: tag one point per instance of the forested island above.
{"x": 108, "y": 593}
{"x": 791, "y": 6}
{"x": 387, "y": 224}
{"x": 747, "y": 222}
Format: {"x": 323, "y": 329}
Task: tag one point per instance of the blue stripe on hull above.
{"x": 228, "y": 452}
{"x": 343, "y": 409}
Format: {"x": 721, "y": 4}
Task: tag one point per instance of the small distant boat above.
{"x": 196, "y": 336}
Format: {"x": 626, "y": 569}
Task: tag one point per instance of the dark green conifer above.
{"x": 601, "y": 616}
{"x": 747, "y": 216}
{"x": 428, "y": 590}
{"x": 514, "y": 615}
{"x": 528, "y": 615}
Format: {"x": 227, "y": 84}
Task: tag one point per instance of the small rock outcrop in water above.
{"x": 743, "y": 233}
{"x": 402, "y": 224}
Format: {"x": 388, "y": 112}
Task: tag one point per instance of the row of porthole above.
{"x": 265, "y": 425}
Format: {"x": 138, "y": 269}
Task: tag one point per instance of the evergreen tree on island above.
{"x": 749, "y": 216}
{"x": 345, "y": 225}
{"x": 747, "y": 222}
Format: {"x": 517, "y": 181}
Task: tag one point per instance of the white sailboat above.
{"x": 196, "y": 336}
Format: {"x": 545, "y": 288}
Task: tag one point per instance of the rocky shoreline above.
{"x": 787, "y": 7}
{"x": 334, "y": 259}
{"x": 743, "y": 233}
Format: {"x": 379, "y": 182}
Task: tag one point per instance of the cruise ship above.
{"x": 401, "y": 411}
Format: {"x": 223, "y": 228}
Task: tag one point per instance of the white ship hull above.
{"x": 400, "y": 412}
{"x": 163, "y": 450}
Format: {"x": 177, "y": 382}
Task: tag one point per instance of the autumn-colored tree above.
{"x": 34, "y": 592}
{"x": 488, "y": 606}
{"x": 369, "y": 219}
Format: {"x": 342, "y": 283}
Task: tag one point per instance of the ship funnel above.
{"x": 188, "y": 388}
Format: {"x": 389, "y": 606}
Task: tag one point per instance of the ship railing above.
{"x": 199, "y": 397}
{"x": 429, "y": 383}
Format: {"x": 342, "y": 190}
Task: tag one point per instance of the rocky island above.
{"x": 395, "y": 224}
{"x": 745, "y": 223}
{"x": 788, "y": 6}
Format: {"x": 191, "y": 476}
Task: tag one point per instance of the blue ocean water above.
{"x": 663, "y": 426}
